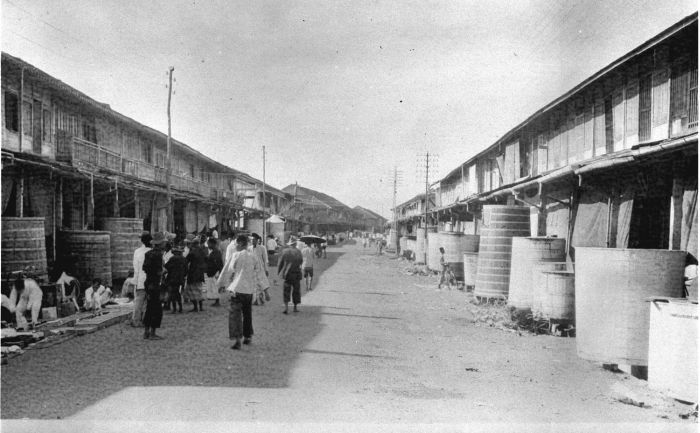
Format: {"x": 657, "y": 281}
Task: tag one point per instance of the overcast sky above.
{"x": 339, "y": 92}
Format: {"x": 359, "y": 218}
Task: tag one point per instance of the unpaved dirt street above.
{"x": 371, "y": 345}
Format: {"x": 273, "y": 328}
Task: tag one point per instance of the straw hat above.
{"x": 158, "y": 239}
{"x": 189, "y": 238}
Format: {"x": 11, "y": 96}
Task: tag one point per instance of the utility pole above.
{"x": 168, "y": 166}
{"x": 427, "y": 167}
{"x": 264, "y": 201}
{"x": 396, "y": 217}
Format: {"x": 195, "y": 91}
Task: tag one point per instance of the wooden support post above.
{"x": 137, "y": 210}
{"x": 91, "y": 204}
{"x": 20, "y": 196}
{"x": 53, "y": 225}
{"x": 116, "y": 199}
{"x": 154, "y": 216}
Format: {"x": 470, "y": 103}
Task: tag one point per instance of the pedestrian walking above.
{"x": 307, "y": 265}
{"x": 175, "y": 273}
{"x": 258, "y": 250}
{"x": 153, "y": 267}
{"x": 289, "y": 268}
{"x": 196, "y": 268}
{"x": 324, "y": 244}
{"x": 214, "y": 265}
{"x": 140, "y": 276}
{"x": 238, "y": 277}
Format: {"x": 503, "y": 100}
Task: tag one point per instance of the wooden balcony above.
{"x": 84, "y": 154}
{"x": 140, "y": 169}
{"x": 81, "y": 153}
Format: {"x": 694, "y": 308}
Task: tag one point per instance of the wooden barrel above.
{"x": 555, "y": 300}
{"x": 470, "y": 260}
{"x": 420, "y": 245}
{"x": 526, "y": 252}
{"x": 124, "y": 238}
{"x": 539, "y": 281}
{"x": 673, "y": 348}
{"x": 500, "y": 224}
{"x": 455, "y": 245}
{"x": 23, "y": 244}
{"x": 611, "y": 288}
{"x": 92, "y": 254}
{"x": 433, "y": 251}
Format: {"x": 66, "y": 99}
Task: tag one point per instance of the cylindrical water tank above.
{"x": 526, "y": 252}
{"x": 470, "y": 260}
{"x": 433, "y": 251}
{"x": 612, "y": 284}
{"x": 673, "y": 348}
{"x": 91, "y": 251}
{"x": 23, "y": 245}
{"x": 124, "y": 238}
{"x": 555, "y": 299}
{"x": 500, "y": 224}
{"x": 455, "y": 245}
{"x": 420, "y": 246}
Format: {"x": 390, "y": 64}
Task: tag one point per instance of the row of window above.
{"x": 37, "y": 123}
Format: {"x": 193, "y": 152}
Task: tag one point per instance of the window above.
{"x": 160, "y": 159}
{"x": 11, "y": 112}
{"x": 192, "y": 171}
{"x": 609, "y": 140}
{"x": 27, "y": 118}
{"x": 645, "y": 108}
{"x": 89, "y": 131}
{"x": 147, "y": 152}
{"x": 47, "y": 125}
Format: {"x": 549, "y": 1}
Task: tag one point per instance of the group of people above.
{"x": 232, "y": 270}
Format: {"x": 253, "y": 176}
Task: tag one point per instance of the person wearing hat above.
{"x": 289, "y": 268}
{"x": 188, "y": 241}
{"x": 175, "y": 272}
{"x": 153, "y": 267}
{"x": 196, "y": 267}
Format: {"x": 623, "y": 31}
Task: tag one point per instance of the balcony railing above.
{"x": 140, "y": 169}
{"x": 82, "y": 153}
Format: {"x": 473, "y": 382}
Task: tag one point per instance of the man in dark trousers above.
{"x": 153, "y": 267}
{"x": 289, "y": 268}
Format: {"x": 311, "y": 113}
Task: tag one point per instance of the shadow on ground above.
{"x": 61, "y": 380}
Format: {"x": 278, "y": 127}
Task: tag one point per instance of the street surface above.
{"x": 371, "y": 349}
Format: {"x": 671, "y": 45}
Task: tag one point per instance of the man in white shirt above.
{"x": 26, "y": 295}
{"x": 238, "y": 277}
{"x": 140, "y": 277}
{"x": 307, "y": 265}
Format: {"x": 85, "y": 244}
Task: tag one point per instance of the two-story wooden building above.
{"x": 73, "y": 161}
{"x": 317, "y": 212}
{"x": 611, "y": 163}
